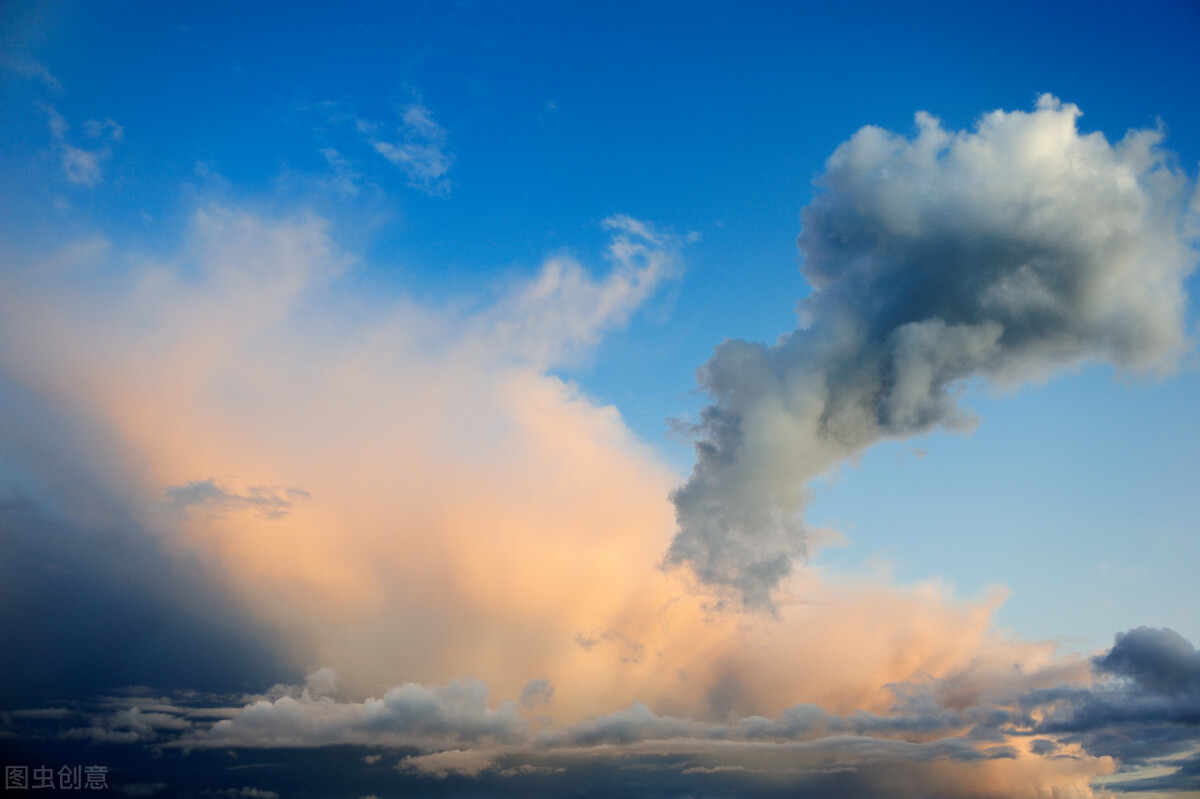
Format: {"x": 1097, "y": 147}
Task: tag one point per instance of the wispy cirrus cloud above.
{"x": 414, "y": 142}
{"x": 31, "y": 69}
{"x": 83, "y": 166}
{"x": 418, "y": 146}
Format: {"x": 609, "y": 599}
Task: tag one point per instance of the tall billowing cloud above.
{"x": 395, "y": 488}
{"x": 422, "y": 151}
{"x": 1003, "y": 253}
{"x": 399, "y": 490}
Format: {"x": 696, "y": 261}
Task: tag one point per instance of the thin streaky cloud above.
{"x": 81, "y": 166}
{"x": 421, "y": 149}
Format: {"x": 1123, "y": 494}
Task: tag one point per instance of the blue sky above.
{"x": 422, "y": 167}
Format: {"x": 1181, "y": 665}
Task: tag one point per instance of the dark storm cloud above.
{"x": 89, "y": 600}
{"x": 1146, "y": 706}
{"x": 1160, "y": 661}
{"x": 1004, "y": 253}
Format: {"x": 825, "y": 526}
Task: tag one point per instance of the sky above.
{"x": 503, "y": 398}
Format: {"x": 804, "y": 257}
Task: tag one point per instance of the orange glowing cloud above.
{"x": 410, "y": 495}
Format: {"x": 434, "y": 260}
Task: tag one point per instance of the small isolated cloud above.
{"x": 421, "y": 150}
{"x": 209, "y": 498}
{"x": 1043, "y": 746}
{"x": 468, "y": 763}
{"x": 347, "y": 180}
{"x": 627, "y": 649}
{"x": 1006, "y": 252}
{"x": 32, "y": 70}
{"x": 537, "y": 691}
{"x": 104, "y": 129}
{"x": 82, "y": 166}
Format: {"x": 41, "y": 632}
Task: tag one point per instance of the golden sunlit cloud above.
{"x": 412, "y": 496}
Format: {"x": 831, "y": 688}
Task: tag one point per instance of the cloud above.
{"x": 408, "y": 715}
{"x": 79, "y": 574}
{"x": 270, "y": 503}
{"x": 106, "y": 129}
{"x": 629, "y": 651}
{"x": 565, "y": 310}
{"x": 31, "y": 69}
{"x": 1005, "y": 253}
{"x": 538, "y": 691}
{"x": 397, "y": 486}
{"x": 347, "y": 180}
{"x": 455, "y": 732}
{"x": 451, "y": 761}
{"x": 1182, "y": 777}
{"x": 468, "y": 519}
{"x": 472, "y": 521}
{"x": 1039, "y": 730}
{"x": 461, "y": 510}
{"x": 422, "y": 151}
{"x": 1159, "y": 661}
{"x": 83, "y": 167}
{"x": 1145, "y": 708}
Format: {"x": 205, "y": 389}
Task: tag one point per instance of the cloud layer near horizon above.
{"x": 1048, "y": 731}
{"x": 1003, "y": 253}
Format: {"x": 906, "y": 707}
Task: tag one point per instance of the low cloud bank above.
{"x": 1140, "y": 706}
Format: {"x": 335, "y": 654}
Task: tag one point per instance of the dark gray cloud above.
{"x": 89, "y": 599}
{"x": 1159, "y": 661}
{"x": 1185, "y": 777}
{"x": 1145, "y": 708}
{"x": 1004, "y": 253}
